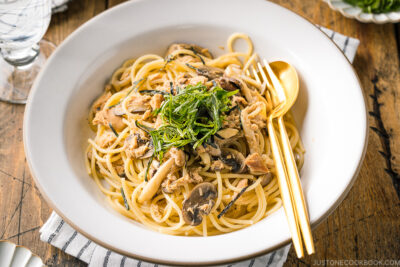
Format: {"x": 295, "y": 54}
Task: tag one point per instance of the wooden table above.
{"x": 366, "y": 226}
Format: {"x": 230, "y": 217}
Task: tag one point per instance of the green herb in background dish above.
{"x": 376, "y": 6}
{"x": 190, "y": 117}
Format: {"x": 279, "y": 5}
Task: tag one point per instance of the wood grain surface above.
{"x": 366, "y": 226}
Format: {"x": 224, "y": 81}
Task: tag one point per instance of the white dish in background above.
{"x": 12, "y": 255}
{"x": 353, "y": 12}
{"x": 330, "y": 112}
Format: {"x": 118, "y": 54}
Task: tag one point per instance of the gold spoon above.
{"x": 285, "y": 81}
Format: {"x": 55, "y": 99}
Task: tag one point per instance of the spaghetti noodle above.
{"x": 164, "y": 154}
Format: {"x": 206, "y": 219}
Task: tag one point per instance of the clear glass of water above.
{"x": 22, "y": 26}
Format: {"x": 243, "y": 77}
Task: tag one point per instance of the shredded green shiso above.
{"x": 376, "y": 6}
{"x": 192, "y": 116}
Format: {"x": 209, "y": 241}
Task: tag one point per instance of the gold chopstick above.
{"x": 285, "y": 191}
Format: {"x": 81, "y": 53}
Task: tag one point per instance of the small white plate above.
{"x": 354, "y": 12}
{"x": 12, "y": 255}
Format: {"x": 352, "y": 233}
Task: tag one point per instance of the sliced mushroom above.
{"x": 229, "y": 84}
{"x": 265, "y": 179}
{"x": 217, "y": 165}
{"x": 213, "y": 149}
{"x": 210, "y": 72}
{"x": 227, "y": 133}
{"x": 138, "y": 103}
{"x": 152, "y": 186}
{"x": 199, "y": 203}
{"x": 148, "y": 154}
{"x": 196, "y": 48}
{"x": 234, "y": 159}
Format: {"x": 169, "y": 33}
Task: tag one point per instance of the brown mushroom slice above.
{"x": 265, "y": 179}
{"x": 138, "y": 103}
{"x": 234, "y": 159}
{"x": 210, "y": 72}
{"x": 152, "y": 186}
{"x": 199, "y": 203}
{"x": 196, "y": 48}
{"x": 227, "y": 133}
{"x": 229, "y": 84}
{"x": 148, "y": 154}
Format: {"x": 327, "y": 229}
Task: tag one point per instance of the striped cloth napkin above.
{"x": 59, "y": 234}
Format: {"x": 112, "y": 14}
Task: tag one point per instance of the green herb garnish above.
{"x": 191, "y": 116}
{"x": 125, "y": 201}
{"x": 376, "y": 6}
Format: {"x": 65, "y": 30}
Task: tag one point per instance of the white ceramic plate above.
{"x": 330, "y": 112}
{"x": 354, "y": 12}
{"x": 12, "y": 255}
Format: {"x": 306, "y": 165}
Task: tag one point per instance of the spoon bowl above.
{"x": 289, "y": 80}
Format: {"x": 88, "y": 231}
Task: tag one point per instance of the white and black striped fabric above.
{"x": 59, "y": 234}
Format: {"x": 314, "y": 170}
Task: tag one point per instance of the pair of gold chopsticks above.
{"x": 287, "y": 173}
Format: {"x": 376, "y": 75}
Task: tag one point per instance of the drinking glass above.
{"x": 22, "y": 25}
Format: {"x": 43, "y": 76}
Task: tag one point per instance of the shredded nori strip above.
{"x": 153, "y": 92}
{"x": 125, "y": 201}
{"x": 211, "y": 141}
{"x": 171, "y": 86}
{"x": 110, "y": 107}
{"x": 148, "y": 168}
{"x": 143, "y": 127}
{"x": 266, "y": 132}
{"x": 240, "y": 120}
{"x": 232, "y": 109}
{"x": 198, "y": 55}
{"x": 232, "y": 202}
{"x": 112, "y": 129}
{"x": 168, "y": 59}
{"x": 136, "y": 86}
{"x": 217, "y": 135}
{"x": 192, "y": 67}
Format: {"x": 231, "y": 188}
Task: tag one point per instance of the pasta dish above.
{"x": 181, "y": 144}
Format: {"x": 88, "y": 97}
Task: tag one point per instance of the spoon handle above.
{"x": 295, "y": 185}
{"x": 285, "y": 191}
